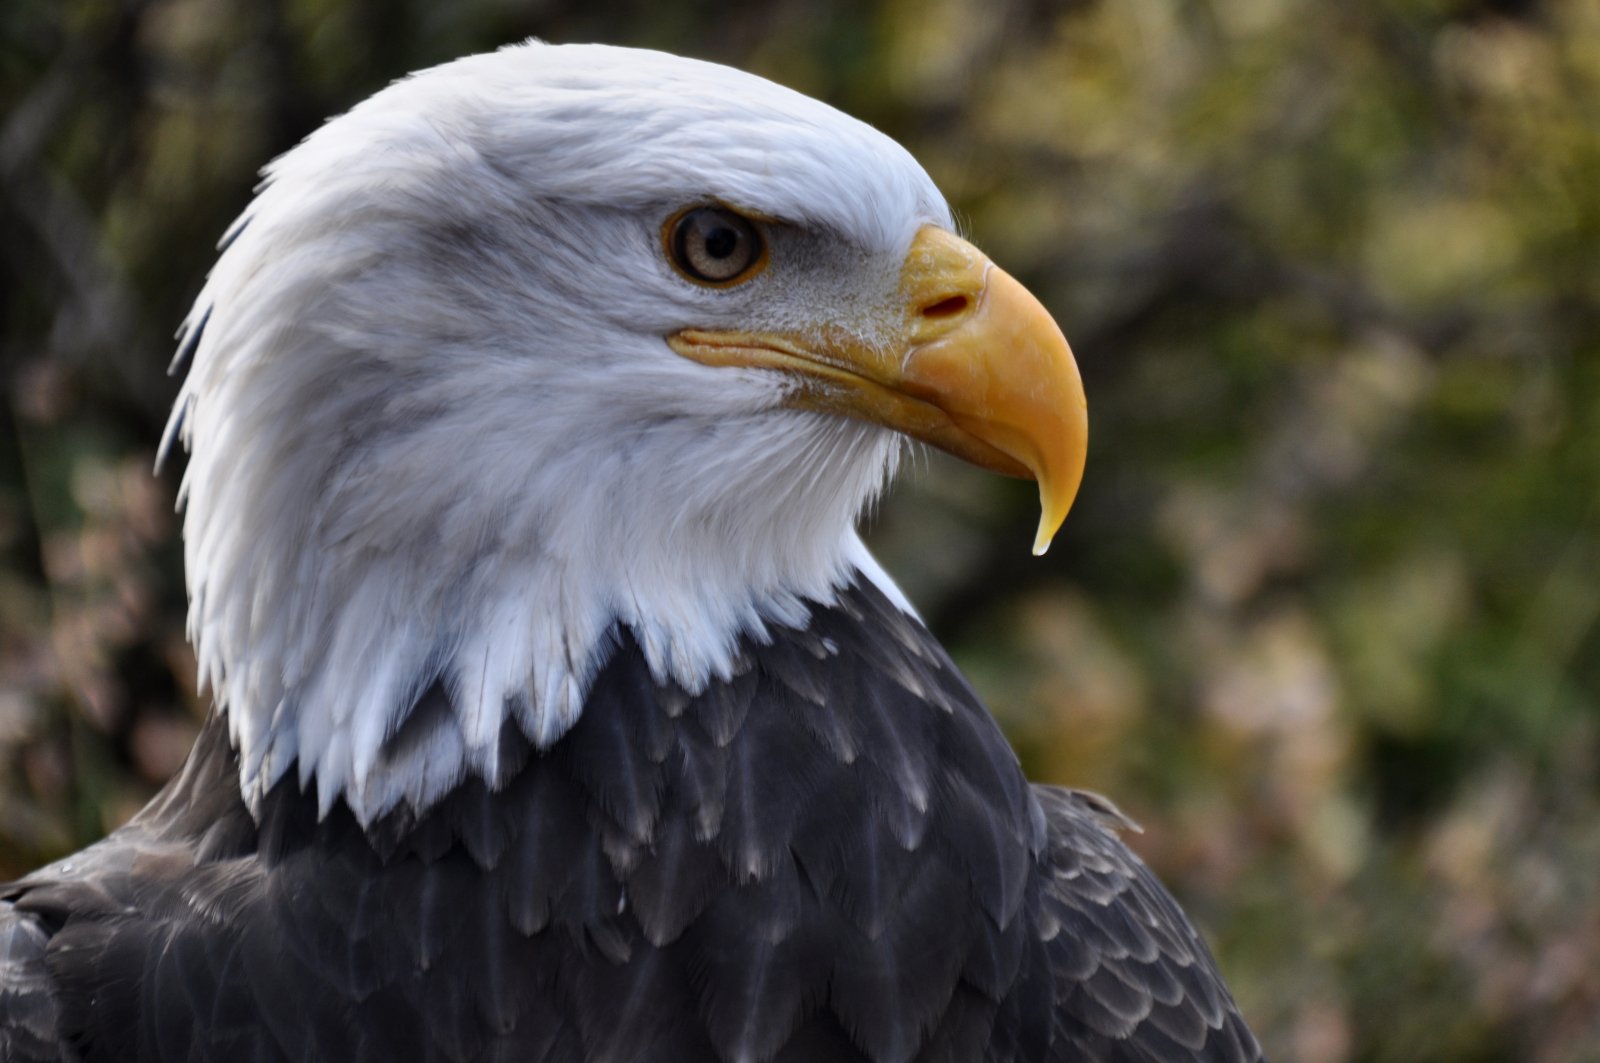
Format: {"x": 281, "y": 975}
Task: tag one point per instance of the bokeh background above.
{"x": 1326, "y": 619}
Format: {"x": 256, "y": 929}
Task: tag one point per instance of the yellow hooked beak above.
{"x": 976, "y": 367}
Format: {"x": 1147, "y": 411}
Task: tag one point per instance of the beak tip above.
{"x": 1043, "y": 538}
{"x": 1054, "y": 503}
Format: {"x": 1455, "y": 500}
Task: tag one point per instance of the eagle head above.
{"x": 544, "y": 342}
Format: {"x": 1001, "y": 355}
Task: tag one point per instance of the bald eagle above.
{"x": 559, "y": 712}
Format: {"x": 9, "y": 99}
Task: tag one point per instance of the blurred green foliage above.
{"x": 1325, "y": 618}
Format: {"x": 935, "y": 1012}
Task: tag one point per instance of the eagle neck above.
{"x": 397, "y": 713}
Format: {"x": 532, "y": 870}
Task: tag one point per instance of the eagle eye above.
{"x": 715, "y": 246}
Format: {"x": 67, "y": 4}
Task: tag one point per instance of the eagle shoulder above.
{"x": 28, "y": 1010}
{"x": 1134, "y": 981}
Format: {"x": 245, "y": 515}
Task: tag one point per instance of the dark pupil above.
{"x": 722, "y": 241}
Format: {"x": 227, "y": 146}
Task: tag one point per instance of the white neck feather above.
{"x": 317, "y": 634}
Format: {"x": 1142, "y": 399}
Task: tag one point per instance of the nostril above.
{"x": 948, "y": 307}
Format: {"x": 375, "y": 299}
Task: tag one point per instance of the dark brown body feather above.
{"x": 832, "y": 856}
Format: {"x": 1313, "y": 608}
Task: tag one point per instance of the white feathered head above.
{"x": 543, "y": 341}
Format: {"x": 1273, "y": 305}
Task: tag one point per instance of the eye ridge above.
{"x": 715, "y": 246}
